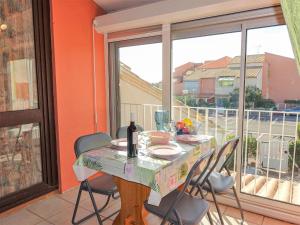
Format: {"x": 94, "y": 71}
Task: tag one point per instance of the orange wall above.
{"x": 73, "y": 79}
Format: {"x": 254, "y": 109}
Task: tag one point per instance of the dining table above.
{"x": 144, "y": 177}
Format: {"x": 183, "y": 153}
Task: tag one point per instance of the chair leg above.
{"x": 76, "y": 205}
{"x": 216, "y": 203}
{"x": 107, "y": 201}
{"x": 239, "y": 204}
{"x": 90, "y": 215}
{"x": 208, "y": 212}
{"x": 97, "y": 211}
{"x": 94, "y": 204}
{"x": 198, "y": 191}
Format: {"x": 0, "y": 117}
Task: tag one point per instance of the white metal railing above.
{"x": 273, "y": 132}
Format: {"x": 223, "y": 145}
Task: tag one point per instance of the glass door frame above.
{"x": 43, "y": 115}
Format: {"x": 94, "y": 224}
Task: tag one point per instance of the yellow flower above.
{"x": 188, "y": 122}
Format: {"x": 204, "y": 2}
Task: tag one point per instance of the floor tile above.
{"x": 271, "y": 221}
{"x": 44, "y": 223}
{"x": 108, "y": 222}
{"x": 49, "y": 207}
{"x": 152, "y": 219}
{"x": 71, "y": 195}
{"x": 58, "y": 210}
{"x": 113, "y": 207}
{"x": 228, "y": 220}
{"x": 99, "y": 199}
{"x": 212, "y": 207}
{"x": 94, "y": 221}
{"x": 23, "y": 215}
{"x": 249, "y": 217}
{"x": 65, "y": 216}
{"x": 215, "y": 218}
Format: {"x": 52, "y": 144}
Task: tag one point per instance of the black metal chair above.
{"x": 101, "y": 185}
{"x": 180, "y": 207}
{"x": 216, "y": 182}
{"x": 122, "y": 131}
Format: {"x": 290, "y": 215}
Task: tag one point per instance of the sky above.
{"x": 146, "y": 60}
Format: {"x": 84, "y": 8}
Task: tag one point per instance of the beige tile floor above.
{"x": 57, "y": 209}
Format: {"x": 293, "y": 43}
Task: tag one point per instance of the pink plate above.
{"x": 159, "y": 137}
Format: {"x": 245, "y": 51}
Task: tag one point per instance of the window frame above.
{"x": 113, "y": 66}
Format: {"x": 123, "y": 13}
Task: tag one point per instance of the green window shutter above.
{"x": 291, "y": 12}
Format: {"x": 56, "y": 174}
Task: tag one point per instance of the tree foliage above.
{"x": 251, "y": 144}
{"x": 192, "y": 101}
{"x": 253, "y": 99}
{"x": 295, "y": 150}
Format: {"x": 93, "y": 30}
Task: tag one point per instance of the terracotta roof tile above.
{"x": 227, "y": 72}
{"x": 259, "y": 58}
{"x": 181, "y": 70}
{"x": 215, "y": 64}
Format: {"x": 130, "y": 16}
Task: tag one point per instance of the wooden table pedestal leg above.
{"x": 132, "y": 197}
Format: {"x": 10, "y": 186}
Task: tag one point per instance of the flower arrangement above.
{"x": 186, "y": 126}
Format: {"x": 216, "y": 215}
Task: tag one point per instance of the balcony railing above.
{"x": 271, "y": 155}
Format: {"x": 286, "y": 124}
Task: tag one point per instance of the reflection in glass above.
{"x": 141, "y": 83}
{"x": 18, "y": 89}
{"x": 20, "y": 158}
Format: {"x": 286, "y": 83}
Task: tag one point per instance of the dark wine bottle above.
{"x": 132, "y": 138}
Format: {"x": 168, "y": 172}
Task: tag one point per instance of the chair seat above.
{"x": 219, "y": 182}
{"x": 102, "y": 185}
{"x": 190, "y": 209}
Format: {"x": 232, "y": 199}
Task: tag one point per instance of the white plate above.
{"x": 121, "y": 143}
{"x": 189, "y": 138}
{"x": 164, "y": 151}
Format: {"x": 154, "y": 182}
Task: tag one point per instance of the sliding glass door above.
{"x": 27, "y": 150}
{"x": 270, "y": 164}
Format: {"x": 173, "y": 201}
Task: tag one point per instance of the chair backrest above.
{"x": 90, "y": 141}
{"x": 228, "y": 150}
{"x": 122, "y": 131}
{"x": 205, "y": 158}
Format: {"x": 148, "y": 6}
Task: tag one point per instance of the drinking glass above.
{"x": 172, "y": 129}
{"x": 161, "y": 119}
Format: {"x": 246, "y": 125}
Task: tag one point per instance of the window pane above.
{"x": 206, "y": 82}
{"x": 20, "y": 158}
{"x": 18, "y": 88}
{"x": 270, "y": 156}
{"x": 141, "y": 83}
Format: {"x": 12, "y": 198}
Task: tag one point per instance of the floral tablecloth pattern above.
{"x": 162, "y": 176}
